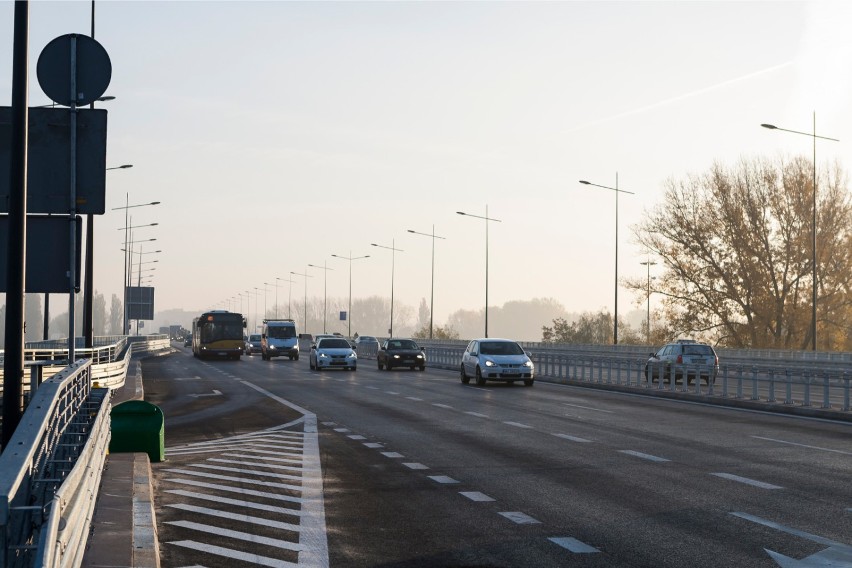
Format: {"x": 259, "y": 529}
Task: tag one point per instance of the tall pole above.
{"x": 432, "y": 295}
{"x": 305, "y": 276}
{"x": 617, "y": 191}
{"x": 813, "y": 224}
{"x": 324, "y": 292}
{"x": 487, "y": 219}
{"x": 393, "y": 250}
{"x": 350, "y": 258}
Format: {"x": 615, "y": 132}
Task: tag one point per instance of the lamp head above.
{"x": 584, "y": 182}
{"x": 769, "y": 126}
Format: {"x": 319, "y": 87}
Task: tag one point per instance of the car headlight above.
{"x": 528, "y": 364}
{"x": 323, "y": 356}
{"x": 271, "y": 346}
{"x": 353, "y": 356}
{"x": 396, "y": 356}
{"x": 420, "y": 356}
{"x": 490, "y": 363}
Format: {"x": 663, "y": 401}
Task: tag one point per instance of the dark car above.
{"x": 683, "y": 357}
{"x": 253, "y": 344}
{"x": 401, "y": 353}
{"x": 187, "y": 341}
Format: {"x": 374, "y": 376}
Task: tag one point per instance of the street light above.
{"x": 393, "y": 257}
{"x": 813, "y": 228}
{"x": 487, "y": 219}
{"x": 324, "y": 292}
{"x": 649, "y": 264}
{"x": 432, "y": 298}
{"x": 256, "y": 300}
{"x": 617, "y": 191}
{"x": 306, "y": 276}
{"x": 350, "y": 258}
{"x": 265, "y": 284}
{"x": 289, "y": 295}
{"x": 126, "y": 208}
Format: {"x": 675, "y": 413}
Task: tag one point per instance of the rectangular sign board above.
{"x": 140, "y": 302}
{"x": 48, "y": 254}
{"x": 49, "y": 160}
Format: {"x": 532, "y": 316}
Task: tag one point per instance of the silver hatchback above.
{"x": 496, "y": 360}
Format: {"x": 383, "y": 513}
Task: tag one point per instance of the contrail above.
{"x": 682, "y": 97}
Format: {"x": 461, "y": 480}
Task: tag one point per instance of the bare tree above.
{"x": 735, "y": 244}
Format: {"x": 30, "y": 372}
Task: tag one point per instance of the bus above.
{"x": 218, "y": 333}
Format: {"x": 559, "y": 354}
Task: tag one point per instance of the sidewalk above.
{"x": 124, "y": 530}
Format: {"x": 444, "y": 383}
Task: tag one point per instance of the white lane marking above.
{"x": 802, "y": 534}
{"x": 341, "y": 429}
{"x": 412, "y": 465}
{"x": 443, "y": 479}
{"x": 257, "y": 464}
{"x": 804, "y": 446}
{"x": 237, "y": 479}
{"x": 243, "y": 447}
{"x": 264, "y": 458}
{"x": 573, "y": 544}
{"x": 195, "y": 378}
{"x": 648, "y": 457}
{"x": 477, "y": 414}
{"x": 442, "y": 405}
{"x": 235, "y": 554}
{"x": 589, "y": 408}
{"x": 414, "y": 398}
{"x": 476, "y": 496}
{"x": 373, "y": 444}
{"x": 253, "y": 538}
{"x": 236, "y": 517}
{"x": 519, "y": 518}
{"x": 517, "y": 424}
{"x": 236, "y": 502}
{"x": 747, "y": 481}
{"x": 357, "y": 437}
{"x": 237, "y": 490}
{"x": 329, "y": 423}
{"x": 572, "y": 438}
{"x": 373, "y": 388}
{"x": 214, "y": 393}
{"x": 248, "y": 471}
{"x": 391, "y": 392}
{"x": 392, "y": 454}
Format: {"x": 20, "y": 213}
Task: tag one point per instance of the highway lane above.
{"x": 419, "y": 470}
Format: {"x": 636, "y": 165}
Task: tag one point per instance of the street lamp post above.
{"x": 813, "y": 227}
{"x": 256, "y": 304}
{"x": 432, "y": 296}
{"x": 126, "y": 208}
{"x": 289, "y": 294}
{"x": 324, "y": 292}
{"x": 265, "y": 284}
{"x": 393, "y": 250}
{"x": 305, "y": 276}
{"x": 350, "y": 258}
{"x": 617, "y": 191}
{"x": 649, "y": 264}
{"x": 487, "y": 219}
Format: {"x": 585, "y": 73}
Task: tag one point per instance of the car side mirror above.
{"x": 422, "y": 349}
{"x": 353, "y": 348}
{"x": 474, "y": 354}
{"x": 263, "y": 336}
{"x": 313, "y": 345}
{"x": 383, "y": 348}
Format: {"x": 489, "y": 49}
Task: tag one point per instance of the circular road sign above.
{"x": 94, "y": 70}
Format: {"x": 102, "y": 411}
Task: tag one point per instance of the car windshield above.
{"x": 333, "y": 343}
{"x": 254, "y": 338}
{"x": 698, "y": 350}
{"x": 500, "y": 348}
{"x": 402, "y": 344}
{"x": 367, "y": 339}
{"x": 281, "y": 331}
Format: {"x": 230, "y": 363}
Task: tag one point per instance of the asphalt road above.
{"x": 403, "y": 468}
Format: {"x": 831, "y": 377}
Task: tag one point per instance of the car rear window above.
{"x": 697, "y": 350}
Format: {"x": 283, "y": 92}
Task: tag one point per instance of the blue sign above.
{"x": 342, "y": 316}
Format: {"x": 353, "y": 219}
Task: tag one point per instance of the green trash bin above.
{"x": 138, "y": 426}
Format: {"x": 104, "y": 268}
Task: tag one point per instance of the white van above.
{"x": 278, "y": 338}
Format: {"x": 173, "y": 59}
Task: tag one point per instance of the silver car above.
{"x": 496, "y": 360}
{"x": 332, "y": 352}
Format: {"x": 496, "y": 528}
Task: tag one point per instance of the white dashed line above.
{"x": 804, "y": 445}
{"x": 357, "y": 437}
{"x": 341, "y": 429}
{"x": 572, "y": 438}
{"x": 442, "y": 405}
{"x": 517, "y": 424}
{"x": 747, "y": 481}
{"x": 588, "y": 408}
{"x": 373, "y": 444}
{"x": 392, "y": 454}
{"x": 648, "y": 457}
{"x": 443, "y": 479}
{"x": 476, "y": 496}
{"x": 412, "y": 465}
{"x": 519, "y": 518}
{"x": 477, "y": 414}
{"x": 391, "y": 392}
{"x": 414, "y": 398}
{"x": 573, "y": 545}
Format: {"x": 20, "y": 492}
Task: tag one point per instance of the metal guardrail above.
{"x": 51, "y": 469}
{"x": 818, "y": 389}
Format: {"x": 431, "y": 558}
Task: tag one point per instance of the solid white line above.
{"x": 264, "y": 458}
{"x": 237, "y": 479}
{"x": 257, "y": 464}
{"x": 747, "y": 481}
{"x": 248, "y": 471}
{"x": 477, "y": 414}
{"x": 265, "y": 453}
{"x": 589, "y": 408}
{"x": 804, "y": 446}
{"x": 643, "y": 456}
{"x": 236, "y": 502}
{"x": 519, "y": 518}
{"x": 255, "y": 539}
{"x": 412, "y": 465}
{"x": 476, "y": 496}
{"x": 573, "y": 544}
{"x": 572, "y": 438}
{"x": 442, "y": 479}
{"x": 392, "y": 454}
{"x": 236, "y": 517}
{"x": 235, "y": 554}
{"x": 517, "y": 424}
{"x": 237, "y": 490}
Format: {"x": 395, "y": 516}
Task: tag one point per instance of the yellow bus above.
{"x": 218, "y": 333}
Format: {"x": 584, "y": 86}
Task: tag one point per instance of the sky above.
{"x": 277, "y": 134}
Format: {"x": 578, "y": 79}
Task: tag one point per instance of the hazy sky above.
{"x": 279, "y": 133}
